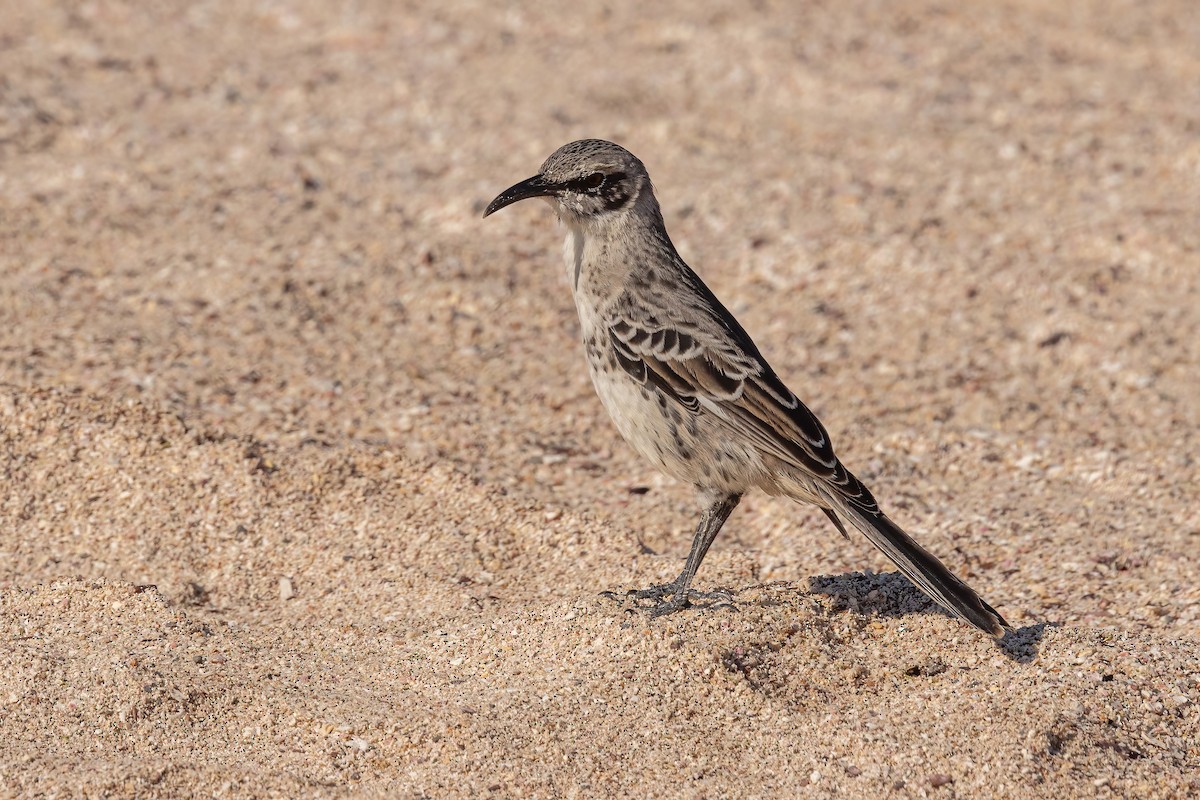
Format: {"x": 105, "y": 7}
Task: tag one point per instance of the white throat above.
{"x": 573, "y": 254}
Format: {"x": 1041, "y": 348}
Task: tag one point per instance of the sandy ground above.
{"x": 306, "y": 492}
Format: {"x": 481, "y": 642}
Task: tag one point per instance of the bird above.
{"x": 686, "y": 386}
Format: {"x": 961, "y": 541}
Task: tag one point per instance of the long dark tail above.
{"x": 925, "y": 570}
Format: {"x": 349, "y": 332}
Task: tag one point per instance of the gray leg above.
{"x": 710, "y": 525}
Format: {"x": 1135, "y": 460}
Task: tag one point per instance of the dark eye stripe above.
{"x": 615, "y": 192}
{"x": 586, "y": 183}
{"x": 614, "y": 179}
{"x": 595, "y": 181}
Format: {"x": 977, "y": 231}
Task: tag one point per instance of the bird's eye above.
{"x": 592, "y": 181}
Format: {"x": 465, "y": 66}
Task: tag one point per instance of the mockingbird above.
{"x": 684, "y": 383}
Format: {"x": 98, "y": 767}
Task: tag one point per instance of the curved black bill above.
{"x": 530, "y": 187}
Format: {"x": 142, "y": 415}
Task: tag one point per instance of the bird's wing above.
{"x": 708, "y": 364}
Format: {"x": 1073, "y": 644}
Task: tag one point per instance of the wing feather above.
{"x": 725, "y": 376}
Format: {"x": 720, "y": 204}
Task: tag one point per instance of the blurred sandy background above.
{"x": 306, "y": 491}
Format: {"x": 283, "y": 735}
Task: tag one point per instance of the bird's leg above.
{"x": 710, "y": 525}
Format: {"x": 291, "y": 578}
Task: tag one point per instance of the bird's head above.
{"x": 587, "y": 180}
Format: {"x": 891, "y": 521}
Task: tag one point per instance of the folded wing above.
{"x": 726, "y": 377}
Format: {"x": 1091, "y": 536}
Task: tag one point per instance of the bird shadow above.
{"x": 890, "y": 594}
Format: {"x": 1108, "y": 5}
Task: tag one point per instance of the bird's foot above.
{"x": 678, "y": 600}
{"x": 656, "y": 592}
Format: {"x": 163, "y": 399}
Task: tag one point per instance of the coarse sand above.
{"x": 306, "y": 492}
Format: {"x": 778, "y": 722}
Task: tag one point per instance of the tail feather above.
{"x": 926, "y": 571}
